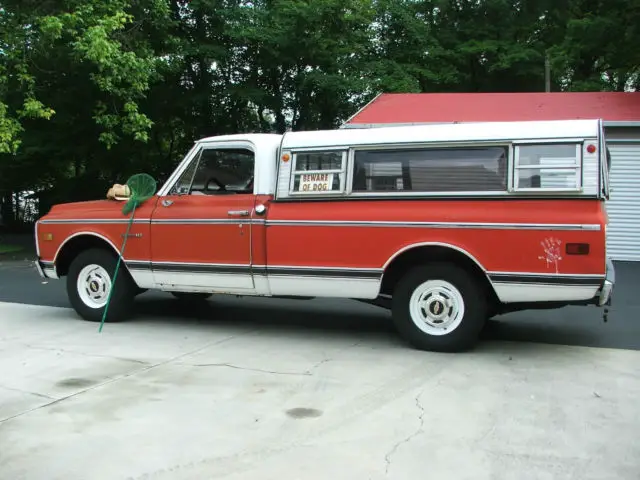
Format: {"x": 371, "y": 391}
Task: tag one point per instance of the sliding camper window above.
{"x": 547, "y": 167}
{"x": 440, "y": 170}
{"x": 318, "y": 173}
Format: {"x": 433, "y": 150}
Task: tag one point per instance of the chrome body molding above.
{"x": 84, "y": 233}
{"x": 434, "y": 244}
{"x": 460, "y": 225}
{"x": 512, "y": 287}
{"x": 341, "y": 223}
{"x": 148, "y": 221}
{"x": 91, "y": 221}
{"x": 207, "y": 221}
{"x": 532, "y": 292}
{"x": 48, "y": 269}
{"x": 248, "y": 269}
{"x": 546, "y": 279}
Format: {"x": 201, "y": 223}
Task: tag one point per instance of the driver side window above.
{"x": 218, "y": 172}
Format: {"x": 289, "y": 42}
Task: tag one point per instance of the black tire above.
{"x": 463, "y": 336}
{"x": 191, "y": 296}
{"x": 124, "y": 290}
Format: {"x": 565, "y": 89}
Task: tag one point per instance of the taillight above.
{"x": 577, "y": 248}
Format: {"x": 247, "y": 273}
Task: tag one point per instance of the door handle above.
{"x": 167, "y": 203}
{"x": 238, "y": 213}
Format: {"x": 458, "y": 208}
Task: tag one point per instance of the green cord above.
{"x": 142, "y": 188}
{"x": 115, "y": 273}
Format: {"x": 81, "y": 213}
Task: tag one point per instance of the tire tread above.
{"x": 124, "y": 289}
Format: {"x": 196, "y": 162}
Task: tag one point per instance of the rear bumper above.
{"x": 606, "y": 291}
{"x": 40, "y": 269}
{"x": 46, "y": 269}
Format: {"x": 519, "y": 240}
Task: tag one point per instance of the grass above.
{"x": 5, "y": 248}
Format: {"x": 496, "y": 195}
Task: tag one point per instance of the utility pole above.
{"x": 547, "y": 73}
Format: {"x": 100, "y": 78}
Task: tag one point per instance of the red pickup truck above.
{"x": 446, "y": 225}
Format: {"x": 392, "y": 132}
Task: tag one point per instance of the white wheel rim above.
{"x": 94, "y": 285}
{"x": 436, "y": 307}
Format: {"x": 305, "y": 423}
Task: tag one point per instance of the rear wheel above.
{"x": 90, "y": 281}
{"x": 439, "y": 307}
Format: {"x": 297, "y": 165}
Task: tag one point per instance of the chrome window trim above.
{"x": 507, "y": 144}
{"x": 292, "y": 193}
{"x": 178, "y": 171}
{"x": 198, "y": 148}
{"x": 577, "y": 166}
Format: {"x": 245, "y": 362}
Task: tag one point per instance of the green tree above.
{"x": 599, "y": 50}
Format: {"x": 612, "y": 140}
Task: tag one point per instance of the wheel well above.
{"x": 76, "y": 245}
{"x": 421, "y": 255}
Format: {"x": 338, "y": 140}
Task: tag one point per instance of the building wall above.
{"x": 623, "y": 208}
{"x": 622, "y": 133}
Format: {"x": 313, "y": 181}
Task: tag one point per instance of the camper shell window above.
{"x": 548, "y": 167}
{"x": 318, "y": 173}
{"x": 431, "y": 170}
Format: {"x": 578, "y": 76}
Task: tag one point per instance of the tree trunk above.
{"x": 7, "y": 211}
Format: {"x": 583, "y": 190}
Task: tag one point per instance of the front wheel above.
{"x": 90, "y": 282}
{"x": 439, "y": 307}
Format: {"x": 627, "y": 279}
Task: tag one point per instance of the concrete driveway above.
{"x": 216, "y": 396}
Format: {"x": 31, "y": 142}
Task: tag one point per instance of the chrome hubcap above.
{"x": 94, "y": 285}
{"x": 436, "y": 307}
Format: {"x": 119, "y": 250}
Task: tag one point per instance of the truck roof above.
{"x": 442, "y": 133}
{"x": 252, "y": 137}
{"x": 437, "y": 133}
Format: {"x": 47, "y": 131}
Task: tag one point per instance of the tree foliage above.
{"x": 92, "y": 91}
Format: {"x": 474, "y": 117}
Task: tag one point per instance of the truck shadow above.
{"x": 579, "y": 326}
{"x": 340, "y": 315}
{"x": 576, "y": 326}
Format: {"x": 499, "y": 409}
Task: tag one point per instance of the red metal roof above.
{"x": 474, "y": 107}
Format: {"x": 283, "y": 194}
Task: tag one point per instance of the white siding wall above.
{"x": 623, "y": 234}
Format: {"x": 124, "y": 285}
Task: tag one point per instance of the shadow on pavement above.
{"x": 581, "y": 326}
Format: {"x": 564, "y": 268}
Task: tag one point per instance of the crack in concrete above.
{"x": 126, "y": 375}
{"x": 249, "y": 369}
{"x": 42, "y": 395}
{"x": 83, "y": 354}
{"x": 330, "y": 359}
{"x": 306, "y": 373}
{"x": 318, "y": 365}
{"x": 420, "y": 429}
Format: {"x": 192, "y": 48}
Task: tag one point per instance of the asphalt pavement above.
{"x": 579, "y": 326}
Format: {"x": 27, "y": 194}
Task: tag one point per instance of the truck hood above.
{"x": 101, "y": 209}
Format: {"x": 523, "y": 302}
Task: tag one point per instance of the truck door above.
{"x": 201, "y": 230}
